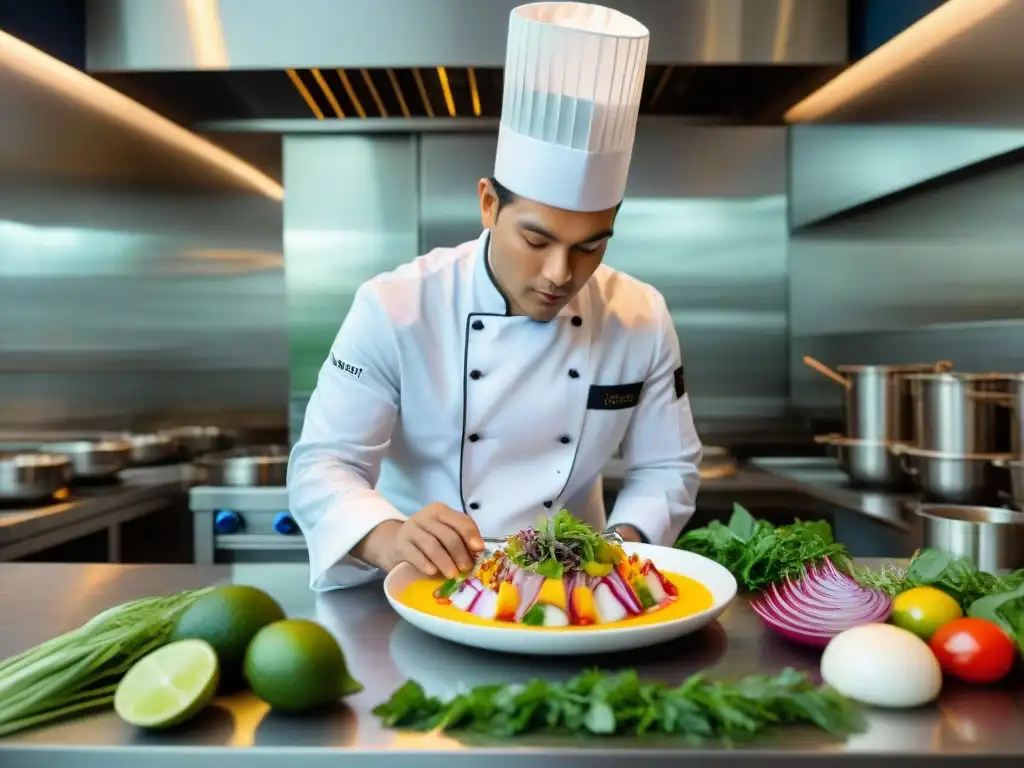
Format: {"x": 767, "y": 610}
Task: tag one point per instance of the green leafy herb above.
{"x": 79, "y": 671}
{"x": 559, "y": 544}
{"x": 450, "y": 586}
{"x": 535, "y": 616}
{"x": 956, "y": 576}
{"x": 759, "y": 554}
{"x": 1005, "y": 609}
{"x": 597, "y": 702}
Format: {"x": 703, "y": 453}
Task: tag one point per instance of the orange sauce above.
{"x": 693, "y": 598}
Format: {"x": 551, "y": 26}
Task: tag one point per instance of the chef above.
{"x": 479, "y": 388}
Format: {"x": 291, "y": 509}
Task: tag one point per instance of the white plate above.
{"x": 514, "y": 639}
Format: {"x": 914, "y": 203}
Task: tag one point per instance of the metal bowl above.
{"x": 94, "y": 459}
{"x": 147, "y": 448}
{"x": 197, "y": 440}
{"x": 31, "y": 475}
{"x": 991, "y": 537}
{"x": 246, "y": 467}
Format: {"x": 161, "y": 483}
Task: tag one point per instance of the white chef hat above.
{"x": 574, "y": 73}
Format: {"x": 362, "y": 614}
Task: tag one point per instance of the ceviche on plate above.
{"x": 561, "y": 574}
{"x": 563, "y": 579}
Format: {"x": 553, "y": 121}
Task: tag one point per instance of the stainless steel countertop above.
{"x": 135, "y": 487}
{"x": 821, "y": 477}
{"x": 39, "y": 601}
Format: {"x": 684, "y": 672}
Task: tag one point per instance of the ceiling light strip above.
{"x": 474, "y": 92}
{"x": 352, "y": 93}
{"x": 328, "y": 93}
{"x": 304, "y": 92}
{"x": 422, "y": 88}
{"x": 76, "y": 86}
{"x": 442, "y": 75}
{"x": 916, "y": 42}
{"x": 398, "y": 93}
{"x": 374, "y": 93}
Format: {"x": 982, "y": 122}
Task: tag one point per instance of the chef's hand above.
{"x": 437, "y": 539}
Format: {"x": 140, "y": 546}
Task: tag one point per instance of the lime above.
{"x": 922, "y": 610}
{"x": 228, "y": 618}
{"x": 168, "y": 686}
{"x": 296, "y": 665}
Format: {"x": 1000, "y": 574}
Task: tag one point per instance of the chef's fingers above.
{"x": 428, "y": 544}
{"x": 466, "y": 527}
{"x": 452, "y": 541}
{"x": 412, "y": 555}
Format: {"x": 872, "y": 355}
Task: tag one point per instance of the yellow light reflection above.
{"x": 66, "y": 81}
{"x": 917, "y": 41}
{"x": 442, "y": 75}
{"x": 328, "y": 93}
{"x": 398, "y": 93}
{"x": 352, "y": 93}
{"x": 474, "y": 92}
{"x": 206, "y": 33}
{"x": 304, "y": 92}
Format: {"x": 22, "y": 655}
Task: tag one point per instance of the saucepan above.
{"x": 959, "y": 412}
{"x": 868, "y": 463}
{"x": 877, "y": 402}
{"x": 954, "y": 477}
{"x": 27, "y": 476}
{"x": 991, "y": 537}
{"x": 1013, "y": 399}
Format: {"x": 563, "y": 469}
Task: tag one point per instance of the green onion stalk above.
{"x": 79, "y": 671}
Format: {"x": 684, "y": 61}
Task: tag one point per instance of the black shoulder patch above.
{"x": 351, "y": 370}
{"x": 614, "y": 397}
{"x": 680, "y": 378}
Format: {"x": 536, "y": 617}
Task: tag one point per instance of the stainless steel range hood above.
{"x": 130, "y": 35}
{"x": 962, "y": 64}
{"x": 307, "y": 65}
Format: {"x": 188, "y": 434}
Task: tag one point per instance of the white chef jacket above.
{"x": 433, "y": 392}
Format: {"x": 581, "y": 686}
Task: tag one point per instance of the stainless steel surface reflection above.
{"x": 967, "y": 724}
{"x": 990, "y": 537}
{"x": 961, "y": 412}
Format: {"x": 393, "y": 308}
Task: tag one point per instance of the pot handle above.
{"x": 943, "y": 366}
{"x": 824, "y": 370}
{"x": 830, "y": 439}
{"x": 996, "y": 398}
{"x": 899, "y": 450}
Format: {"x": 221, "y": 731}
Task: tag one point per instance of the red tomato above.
{"x": 973, "y": 650}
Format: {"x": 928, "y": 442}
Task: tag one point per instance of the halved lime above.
{"x": 169, "y": 685}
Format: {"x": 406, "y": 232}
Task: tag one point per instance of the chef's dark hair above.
{"x": 506, "y": 196}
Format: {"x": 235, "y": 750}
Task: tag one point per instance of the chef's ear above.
{"x": 488, "y": 203}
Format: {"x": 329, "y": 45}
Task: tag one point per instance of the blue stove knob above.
{"x": 285, "y": 524}
{"x": 226, "y": 521}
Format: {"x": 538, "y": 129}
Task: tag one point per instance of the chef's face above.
{"x": 541, "y": 256}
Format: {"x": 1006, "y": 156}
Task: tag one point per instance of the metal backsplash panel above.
{"x": 130, "y": 308}
{"x": 704, "y": 221}
{"x": 350, "y": 213}
{"x": 936, "y": 274}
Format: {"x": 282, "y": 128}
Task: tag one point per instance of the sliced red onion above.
{"x": 623, "y": 593}
{"x": 528, "y": 585}
{"x": 485, "y": 605}
{"x": 817, "y": 607}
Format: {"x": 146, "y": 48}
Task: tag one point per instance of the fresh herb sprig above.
{"x": 759, "y": 554}
{"x": 958, "y": 577}
{"x": 602, "y": 703}
{"x": 560, "y": 544}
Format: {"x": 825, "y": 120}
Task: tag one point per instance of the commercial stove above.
{"x": 240, "y": 509}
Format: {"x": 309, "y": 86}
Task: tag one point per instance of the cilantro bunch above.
{"x": 602, "y": 703}
{"x": 759, "y": 554}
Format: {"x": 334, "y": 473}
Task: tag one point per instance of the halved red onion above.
{"x": 817, "y": 607}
